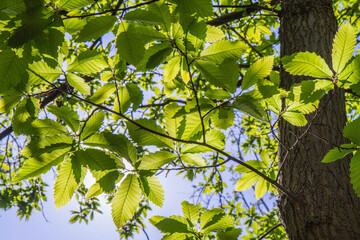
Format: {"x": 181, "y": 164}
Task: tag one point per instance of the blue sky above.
{"x": 102, "y": 227}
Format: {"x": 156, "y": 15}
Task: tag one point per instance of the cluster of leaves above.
{"x": 186, "y": 226}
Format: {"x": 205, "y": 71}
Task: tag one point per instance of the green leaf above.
{"x": 310, "y": 91}
{"x": 103, "y": 93}
{"x": 248, "y": 104}
{"x": 73, "y": 4}
{"x": 203, "y": 8}
{"x": 208, "y": 216}
{"x": 351, "y": 73}
{"x": 225, "y": 75}
{"x": 131, "y": 41}
{"x": 339, "y": 153}
{"x": 222, "y": 224}
{"x": 143, "y": 17}
{"x": 173, "y": 224}
{"x": 34, "y": 167}
{"x": 302, "y": 108}
{"x": 88, "y": 62}
{"x": 26, "y": 111}
{"x": 46, "y": 144}
{"x": 99, "y": 163}
{"x": 154, "y": 56}
{"x": 223, "y": 118}
{"x": 343, "y": 47}
{"x": 153, "y": 161}
{"x": 12, "y": 70}
{"x": 213, "y": 34}
{"x": 260, "y": 188}
{"x": 7, "y": 103}
{"x": 351, "y": 131}
{"x": 193, "y": 159}
{"x": 157, "y": 193}
{"x": 144, "y": 137}
{"x": 78, "y": 83}
{"x": 42, "y": 127}
{"x": 258, "y": 70}
{"x": 177, "y": 236}
{"x": 117, "y": 143}
{"x": 224, "y": 49}
{"x": 308, "y": 64}
{"x": 162, "y": 11}
{"x": 124, "y": 101}
{"x": 355, "y": 172}
{"x": 246, "y": 181}
{"x": 173, "y": 124}
{"x": 158, "y": 13}
{"x": 74, "y": 25}
{"x": 96, "y": 27}
{"x": 92, "y": 125}
{"x": 12, "y": 7}
{"x": 104, "y": 184}
{"x": 296, "y": 118}
{"x": 253, "y": 163}
{"x": 40, "y": 71}
{"x": 65, "y": 184}
{"x": 126, "y": 200}
{"x": 193, "y": 126}
{"x": 67, "y": 114}
{"x": 233, "y": 233}
{"x": 136, "y": 95}
{"x": 172, "y": 69}
{"x": 213, "y": 137}
{"x": 218, "y": 94}
{"x": 190, "y": 211}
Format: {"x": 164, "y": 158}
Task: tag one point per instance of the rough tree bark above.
{"x": 328, "y": 207}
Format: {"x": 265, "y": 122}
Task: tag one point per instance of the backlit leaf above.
{"x": 73, "y": 4}
{"x": 117, "y": 143}
{"x": 78, "y": 83}
{"x": 343, "y": 47}
{"x": 223, "y": 49}
{"x": 126, "y": 200}
{"x": 153, "y": 161}
{"x": 339, "y": 153}
{"x": 190, "y": 211}
{"x": 88, "y": 62}
{"x": 246, "y": 181}
{"x": 157, "y": 193}
{"x": 92, "y": 125}
{"x": 144, "y": 137}
{"x": 65, "y": 184}
{"x": 67, "y": 114}
{"x": 34, "y": 167}
{"x": 258, "y": 70}
{"x": 96, "y": 28}
{"x": 308, "y": 64}
{"x": 193, "y": 159}
{"x": 351, "y": 131}
{"x": 103, "y": 93}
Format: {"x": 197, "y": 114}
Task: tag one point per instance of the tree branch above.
{"x": 247, "y": 10}
{"x": 273, "y": 182}
{"x": 270, "y": 230}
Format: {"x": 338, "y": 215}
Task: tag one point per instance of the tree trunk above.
{"x": 328, "y": 207}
